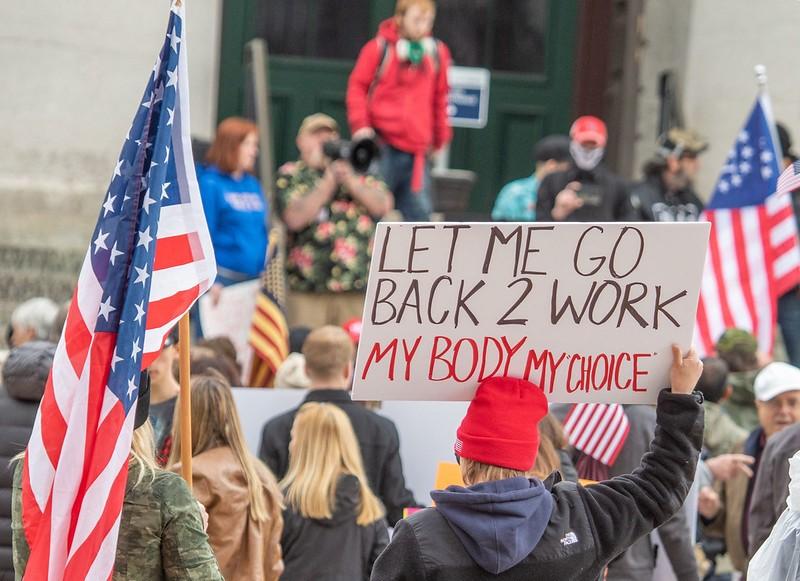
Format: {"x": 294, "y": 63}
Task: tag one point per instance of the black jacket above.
{"x": 587, "y": 526}
{"x": 605, "y": 196}
{"x": 335, "y": 549}
{"x": 24, "y": 377}
{"x": 654, "y": 203}
{"x": 377, "y": 438}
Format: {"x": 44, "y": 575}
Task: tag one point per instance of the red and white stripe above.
{"x": 598, "y": 430}
{"x": 75, "y": 468}
{"x": 753, "y": 258}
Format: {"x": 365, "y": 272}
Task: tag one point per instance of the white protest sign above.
{"x": 231, "y": 317}
{"x": 585, "y": 311}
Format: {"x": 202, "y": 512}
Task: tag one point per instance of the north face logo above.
{"x": 569, "y": 539}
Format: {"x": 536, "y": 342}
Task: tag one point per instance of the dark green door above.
{"x": 527, "y": 44}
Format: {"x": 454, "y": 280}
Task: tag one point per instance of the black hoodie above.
{"x": 335, "y": 549}
{"x": 484, "y": 531}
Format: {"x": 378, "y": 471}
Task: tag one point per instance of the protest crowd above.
{"x": 700, "y": 481}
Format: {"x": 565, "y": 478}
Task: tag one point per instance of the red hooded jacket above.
{"x": 407, "y": 106}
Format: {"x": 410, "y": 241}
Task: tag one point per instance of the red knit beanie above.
{"x": 501, "y": 425}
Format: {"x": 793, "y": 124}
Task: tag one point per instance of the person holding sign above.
{"x": 505, "y": 525}
{"x": 587, "y": 192}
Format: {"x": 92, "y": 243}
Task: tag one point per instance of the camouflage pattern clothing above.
{"x": 333, "y": 253}
{"x": 161, "y": 534}
{"x": 741, "y": 405}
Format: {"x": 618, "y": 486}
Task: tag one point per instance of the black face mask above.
{"x": 142, "y": 400}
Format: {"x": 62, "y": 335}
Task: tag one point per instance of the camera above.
{"x": 359, "y": 153}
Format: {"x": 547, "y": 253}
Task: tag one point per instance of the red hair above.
{"x": 402, "y": 6}
{"x": 224, "y": 152}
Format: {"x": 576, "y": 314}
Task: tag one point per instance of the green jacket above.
{"x": 161, "y": 534}
{"x": 741, "y": 405}
{"x": 721, "y": 433}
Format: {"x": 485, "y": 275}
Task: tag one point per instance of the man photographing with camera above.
{"x": 588, "y": 191}
{"x": 330, "y": 211}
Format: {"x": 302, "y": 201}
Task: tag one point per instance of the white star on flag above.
{"x": 131, "y": 386}
{"x": 100, "y": 241}
{"x": 744, "y": 168}
{"x": 736, "y": 180}
{"x": 723, "y": 186}
{"x": 145, "y": 239}
{"x": 147, "y": 202}
{"x": 141, "y": 275}
{"x": 106, "y": 308}
{"x": 164, "y": 193}
{"x": 174, "y": 40}
{"x": 766, "y": 172}
{"x": 135, "y": 350}
{"x": 743, "y": 136}
{"x": 115, "y": 360}
{"x": 766, "y": 156}
{"x": 139, "y": 312}
{"x": 173, "y": 78}
{"x": 114, "y": 253}
{"x": 166, "y": 155}
{"x": 109, "y": 206}
{"x": 171, "y": 113}
{"x": 747, "y": 152}
{"x": 147, "y": 102}
{"x": 118, "y": 169}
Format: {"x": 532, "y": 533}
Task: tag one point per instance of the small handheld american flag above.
{"x": 753, "y": 253}
{"x": 149, "y": 259}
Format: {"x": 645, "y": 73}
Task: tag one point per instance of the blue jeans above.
{"x": 396, "y": 167}
{"x": 789, "y": 320}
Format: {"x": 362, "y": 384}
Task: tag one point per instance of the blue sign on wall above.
{"x": 468, "y": 101}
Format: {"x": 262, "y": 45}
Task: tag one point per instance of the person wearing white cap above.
{"x": 726, "y": 510}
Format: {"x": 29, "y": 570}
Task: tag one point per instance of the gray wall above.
{"x": 72, "y": 76}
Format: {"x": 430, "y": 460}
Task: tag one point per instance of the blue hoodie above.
{"x": 498, "y": 522}
{"x": 236, "y": 213}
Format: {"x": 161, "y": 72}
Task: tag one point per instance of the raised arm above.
{"x": 626, "y": 507}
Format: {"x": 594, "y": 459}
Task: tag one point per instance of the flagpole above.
{"x": 761, "y": 77}
{"x": 185, "y": 411}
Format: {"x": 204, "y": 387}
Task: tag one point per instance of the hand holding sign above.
{"x": 586, "y": 311}
{"x": 686, "y": 370}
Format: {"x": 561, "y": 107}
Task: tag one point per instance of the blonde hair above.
{"x": 215, "y": 423}
{"x": 324, "y": 448}
{"x": 402, "y": 6}
{"x": 328, "y": 350}
{"x": 473, "y": 472}
{"x": 143, "y": 452}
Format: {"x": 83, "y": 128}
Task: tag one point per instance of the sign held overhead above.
{"x": 586, "y": 311}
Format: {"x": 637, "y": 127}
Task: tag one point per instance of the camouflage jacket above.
{"x": 333, "y": 253}
{"x": 161, "y": 533}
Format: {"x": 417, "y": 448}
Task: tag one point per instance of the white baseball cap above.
{"x": 775, "y": 379}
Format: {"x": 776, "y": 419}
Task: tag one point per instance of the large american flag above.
{"x": 753, "y": 254}
{"x": 149, "y": 259}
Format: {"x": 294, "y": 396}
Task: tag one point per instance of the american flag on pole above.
{"x": 753, "y": 255}
{"x": 149, "y": 259}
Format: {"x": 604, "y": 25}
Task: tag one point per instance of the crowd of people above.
{"x": 324, "y": 496}
{"x": 325, "y": 488}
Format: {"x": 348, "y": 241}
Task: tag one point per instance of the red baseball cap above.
{"x": 589, "y": 128}
{"x": 353, "y": 329}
